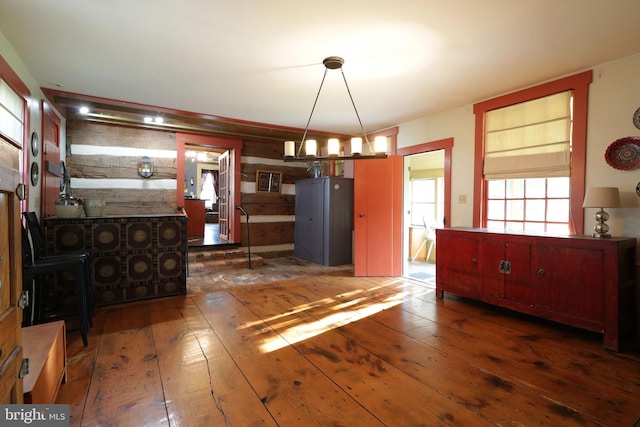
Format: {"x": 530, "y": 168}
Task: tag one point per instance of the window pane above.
{"x": 496, "y": 189}
{"x": 558, "y": 187}
{"x": 423, "y": 190}
{"x": 534, "y": 226}
{"x": 496, "y": 225}
{"x": 515, "y": 188}
{"x": 536, "y": 187}
{"x": 495, "y": 209}
{"x": 514, "y": 226}
{"x": 561, "y": 229}
{"x": 10, "y": 126}
{"x": 558, "y": 210}
{"x": 535, "y": 210}
{"x": 12, "y": 101}
{"x": 420, "y": 211}
{"x": 515, "y": 209}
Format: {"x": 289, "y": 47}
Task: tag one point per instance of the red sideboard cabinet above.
{"x": 581, "y": 281}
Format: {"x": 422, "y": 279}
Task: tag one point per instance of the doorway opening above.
{"x": 202, "y": 182}
{"x": 425, "y": 193}
{"x": 208, "y": 184}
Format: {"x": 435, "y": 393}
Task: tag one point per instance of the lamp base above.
{"x": 602, "y": 236}
{"x": 601, "y": 229}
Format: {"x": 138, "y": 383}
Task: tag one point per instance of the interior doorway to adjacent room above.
{"x": 425, "y": 213}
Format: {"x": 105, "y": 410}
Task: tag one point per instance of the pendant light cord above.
{"x": 364, "y": 134}
{"x": 306, "y": 129}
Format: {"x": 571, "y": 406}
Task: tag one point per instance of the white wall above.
{"x": 613, "y": 98}
{"x": 15, "y": 62}
{"x": 457, "y": 124}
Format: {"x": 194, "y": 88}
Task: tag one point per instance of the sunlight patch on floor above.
{"x": 338, "y": 313}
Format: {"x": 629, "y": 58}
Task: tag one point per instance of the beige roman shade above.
{"x": 11, "y": 113}
{"x": 529, "y": 140}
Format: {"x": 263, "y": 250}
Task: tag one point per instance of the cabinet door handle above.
{"x": 474, "y": 261}
{"x": 362, "y": 215}
{"x": 504, "y": 266}
{"x": 541, "y": 272}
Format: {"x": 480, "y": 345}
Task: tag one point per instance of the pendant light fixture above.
{"x": 311, "y": 153}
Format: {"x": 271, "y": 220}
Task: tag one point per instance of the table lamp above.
{"x": 601, "y": 197}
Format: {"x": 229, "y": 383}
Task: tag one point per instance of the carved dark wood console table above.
{"x": 133, "y": 257}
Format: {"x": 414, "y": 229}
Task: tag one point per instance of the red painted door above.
{"x": 378, "y": 217}
{"x": 50, "y": 181}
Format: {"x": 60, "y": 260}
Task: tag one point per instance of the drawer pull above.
{"x": 541, "y": 272}
{"x": 474, "y": 261}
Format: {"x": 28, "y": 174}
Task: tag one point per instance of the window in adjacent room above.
{"x": 427, "y": 205}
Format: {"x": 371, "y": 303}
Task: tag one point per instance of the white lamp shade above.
{"x": 289, "y": 148}
{"x": 380, "y": 144}
{"x": 311, "y": 147}
{"x": 334, "y": 146}
{"x": 602, "y": 197}
{"x": 356, "y": 145}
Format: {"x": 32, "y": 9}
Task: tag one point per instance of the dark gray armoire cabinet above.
{"x": 324, "y": 220}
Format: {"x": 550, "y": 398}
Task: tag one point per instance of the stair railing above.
{"x": 241, "y": 209}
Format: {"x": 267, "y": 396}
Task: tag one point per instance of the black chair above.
{"x": 41, "y": 274}
{"x": 39, "y": 249}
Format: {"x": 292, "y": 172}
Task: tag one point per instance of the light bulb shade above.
{"x": 289, "y": 148}
{"x": 602, "y": 197}
{"x": 356, "y": 145}
{"x": 333, "y": 146}
{"x": 311, "y": 147}
{"x": 380, "y": 144}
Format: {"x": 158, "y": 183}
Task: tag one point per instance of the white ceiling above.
{"x": 261, "y": 60}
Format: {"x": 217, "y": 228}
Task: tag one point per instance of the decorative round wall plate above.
{"x": 35, "y": 143}
{"x": 624, "y": 153}
{"x": 35, "y": 174}
{"x": 63, "y": 180}
{"x": 636, "y": 118}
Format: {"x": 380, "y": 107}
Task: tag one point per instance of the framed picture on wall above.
{"x": 268, "y": 182}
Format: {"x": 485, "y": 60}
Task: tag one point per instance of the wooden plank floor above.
{"x": 334, "y": 350}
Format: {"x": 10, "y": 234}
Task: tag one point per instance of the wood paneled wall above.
{"x": 271, "y": 215}
{"x": 103, "y": 161}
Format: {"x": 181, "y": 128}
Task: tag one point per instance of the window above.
{"x": 529, "y": 204}
{"x": 531, "y": 140}
{"x": 208, "y": 192}
{"x": 530, "y": 158}
{"x": 427, "y": 205}
{"x": 11, "y": 113}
